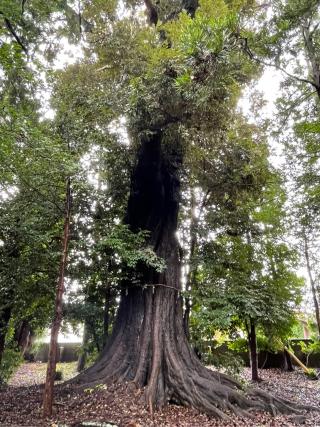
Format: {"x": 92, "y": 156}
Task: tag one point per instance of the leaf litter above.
{"x": 120, "y": 406}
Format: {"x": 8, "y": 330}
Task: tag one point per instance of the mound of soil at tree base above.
{"x": 120, "y": 406}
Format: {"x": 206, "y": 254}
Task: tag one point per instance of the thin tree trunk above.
{"x": 83, "y": 354}
{"x": 312, "y": 57}
{"x": 4, "y": 322}
{"x": 312, "y": 283}
{"x": 22, "y": 336}
{"x": 51, "y": 367}
{"x": 190, "y": 276}
{"x": 106, "y": 315}
{"x": 252, "y": 338}
{"x": 288, "y": 366}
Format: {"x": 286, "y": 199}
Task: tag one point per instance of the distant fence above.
{"x": 67, "y": 352}
{"x": 268, "y": 359}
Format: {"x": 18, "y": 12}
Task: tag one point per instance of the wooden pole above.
{"x": 298, "y": 361}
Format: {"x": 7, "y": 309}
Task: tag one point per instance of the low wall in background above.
{"x": 67, "y": 352}
{"x": 268, "y": 359}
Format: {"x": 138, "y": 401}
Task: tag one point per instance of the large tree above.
{"x": 177, "y": 81}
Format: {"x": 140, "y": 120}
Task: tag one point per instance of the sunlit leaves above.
{"x": 132, "y": 248}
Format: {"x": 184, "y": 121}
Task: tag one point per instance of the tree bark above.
{"x": 52, "y": 361}
{"x": 190, "y": 276}
{"x": 312, "y": 283}
{"x": 148, "y": 346}
{"x": 288, "y": 366}
{"x": 106, "y": 315}
{"x": 252, "y": 338}
{"x": 311, "y": 56}
{"x": 22, "y": 336}
{"x": 83, "y": 354}
{"x": 5, "y": 316}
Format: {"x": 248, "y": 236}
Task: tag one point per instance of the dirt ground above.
{"x": 20, "y": 403}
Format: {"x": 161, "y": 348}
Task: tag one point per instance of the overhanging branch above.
{"x": 278, "y": 67}
{"x": 13, "y": 32}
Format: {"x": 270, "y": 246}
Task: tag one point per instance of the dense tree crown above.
{"x": 178, "y": 224}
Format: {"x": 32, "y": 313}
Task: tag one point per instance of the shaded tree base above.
{"x": 148, "y": 350}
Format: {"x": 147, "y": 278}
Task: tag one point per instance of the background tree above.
{"x": 247, "y": 278}
{"x": 33, "y": 161}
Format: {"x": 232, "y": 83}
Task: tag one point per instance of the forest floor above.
{"x": 20, "y": 403}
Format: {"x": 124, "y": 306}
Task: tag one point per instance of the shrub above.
{"x": 11, "y": 360}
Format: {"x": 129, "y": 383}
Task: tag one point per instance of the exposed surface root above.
{"x": 120, "y": 403}
{"x": 154, "y": 355}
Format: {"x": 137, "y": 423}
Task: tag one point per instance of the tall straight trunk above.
{"x": 22, "y": 336}
{"x": 312, "y": 283}
{"x": 83, "y": 353}
{"x": 52, "y": 361}
{"x": 191, "y": 273}
{"x": 312, "y": 56}
{"x": 106, "y": 315}
{"x": 288, "y": 366}
{"x": 5, "y": 316}
{"x": 252, "y": 338}
{"x": 251, "y": 330}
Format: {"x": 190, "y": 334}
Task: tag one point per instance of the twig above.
{"x": 278, "y": 67}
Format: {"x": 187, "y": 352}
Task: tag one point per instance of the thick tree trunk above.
{"x": 52, "y": 361}
{"x": 148, "y": 345}
{"x": 252, "y": 338}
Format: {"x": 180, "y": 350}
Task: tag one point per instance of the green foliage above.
{"x": 311, "y": 347}
{"x": 132, "y": 248}
{"x": 10, "y": 362}
{"x": 312, "y": 374}
{"x": 264, "y": 343}
{"x": 246, "y": 274}
{"x": 225, "y": 360}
